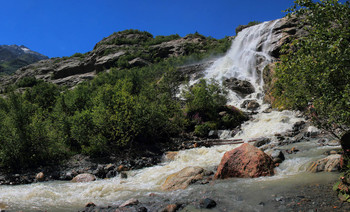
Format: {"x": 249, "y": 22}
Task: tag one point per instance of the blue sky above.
{"x": 63, "y": 27}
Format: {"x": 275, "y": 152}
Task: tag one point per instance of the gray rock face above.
{"x": 108, "y": 53}
{"x": 250, "y": 105}
{"x": 241, "y": 87}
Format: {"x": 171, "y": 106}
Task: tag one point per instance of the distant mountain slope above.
{"x": 13, "y": 57}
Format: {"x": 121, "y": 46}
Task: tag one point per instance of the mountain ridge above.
{"x": 13, "y": 57}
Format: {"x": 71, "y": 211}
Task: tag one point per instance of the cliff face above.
{"x": 126, "y": 49}
{"x": 287, "y": 30}
{"x": 13, "y": 57}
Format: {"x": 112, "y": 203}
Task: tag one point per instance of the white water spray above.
{"x": 249, "y": 54}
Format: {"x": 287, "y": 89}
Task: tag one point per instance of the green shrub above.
{"x": 202, "y": 130}
{"x": 27, "y": 82}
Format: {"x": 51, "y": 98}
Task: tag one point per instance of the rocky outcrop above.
{"x": 286, "y": 30}
{"x": 125, "y": 49}
{"x": 245, "y": 161}
{"x": 328, "y": 164}
{"x": 241, "y": 87}
{"x": 194, "y": 71}
{"x": 183, "y": 178}
{"x": 250, "y": 105}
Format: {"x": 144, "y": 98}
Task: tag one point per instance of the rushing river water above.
{"x": 231, "y": 194}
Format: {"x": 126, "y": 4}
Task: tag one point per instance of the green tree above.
{"x": 314, "y": 70}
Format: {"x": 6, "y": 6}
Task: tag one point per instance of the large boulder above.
{"x": 241, "y": 87}
{"x": 183, "y": 178}
{"x": 327, "y": 164}
{"x": 250, "y": 104}
{"x": 245, "y": 161}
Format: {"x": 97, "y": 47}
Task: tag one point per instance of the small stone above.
{"x": 142, "y": 209}
{"x": 122, "y": 168}
{"x": 171, "y": 208}
{"x": 129, "y": 202}
{"x": 111, "y": 174}
{"x": 123, "y": 175}
{"x": 90, "y": 204}
{"x": 170, "y": 156}
{"x": 40, "y": 177}
{"x": 333, "y": 152}
{"x": 262, "y": 203}
{"x": 109, "y": 167}
{"x": 207, "y": 203}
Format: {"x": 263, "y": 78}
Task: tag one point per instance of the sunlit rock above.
{"x": 183, "y": 178}
{"x": 40, "y": 177}
{"x": 327, "y": 164}
{"x": 245, "y": 161}
{"x": 129, "y": 202}
{"x": 83, "y": 178}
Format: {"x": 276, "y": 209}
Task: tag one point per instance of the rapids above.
{"x": 249, "y": 53}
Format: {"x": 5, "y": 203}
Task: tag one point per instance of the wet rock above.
{"x": 261, "y": 141}
{"x": 207, "y": 203}
{"x": 213, "y": 134}
{"x": 250, "y": 105}
{"x": 298, "y": 126}
{"x": 123, "y": 175}
{"x": 277, "y": 156}
{"x": 292, "y": 150}
{"x": 99, "y": 171}
{"x": 111, "y": 174}
{"x": 245, "y": 161}
{"x": 40, "y": 177}
{"x": 130, "y": 202}
{"x": 183, "y": 178}
{"x": 86, "y": 177}
{"x": 171, "y": 208}
{"x": 328, "y": 164}
{"x": 90, "y": 204}
{"x": 169, "y": 156}
{"x": 110, "y": 167}
{"x": 142, "y": 209}
{"x": 241, "y": 87}
{"x": 312, "y": 131}
{"x": 122, "y": 168}
{"x": 68, "y": 176}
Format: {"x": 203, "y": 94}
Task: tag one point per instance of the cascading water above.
{"x": 249, "y": 54}
{"x": 245, "y": 60}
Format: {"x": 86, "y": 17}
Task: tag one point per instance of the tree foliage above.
{"x": 314, "y": 71}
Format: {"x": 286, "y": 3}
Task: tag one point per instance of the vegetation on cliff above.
{"x": 314, "y": 70}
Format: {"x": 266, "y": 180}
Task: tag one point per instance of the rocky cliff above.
{"x": 126, "y": 49}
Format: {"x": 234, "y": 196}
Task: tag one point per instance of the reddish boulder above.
{"x": 245, "y": 161}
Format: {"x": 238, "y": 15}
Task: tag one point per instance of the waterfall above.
{"x": 246, "y": 59}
